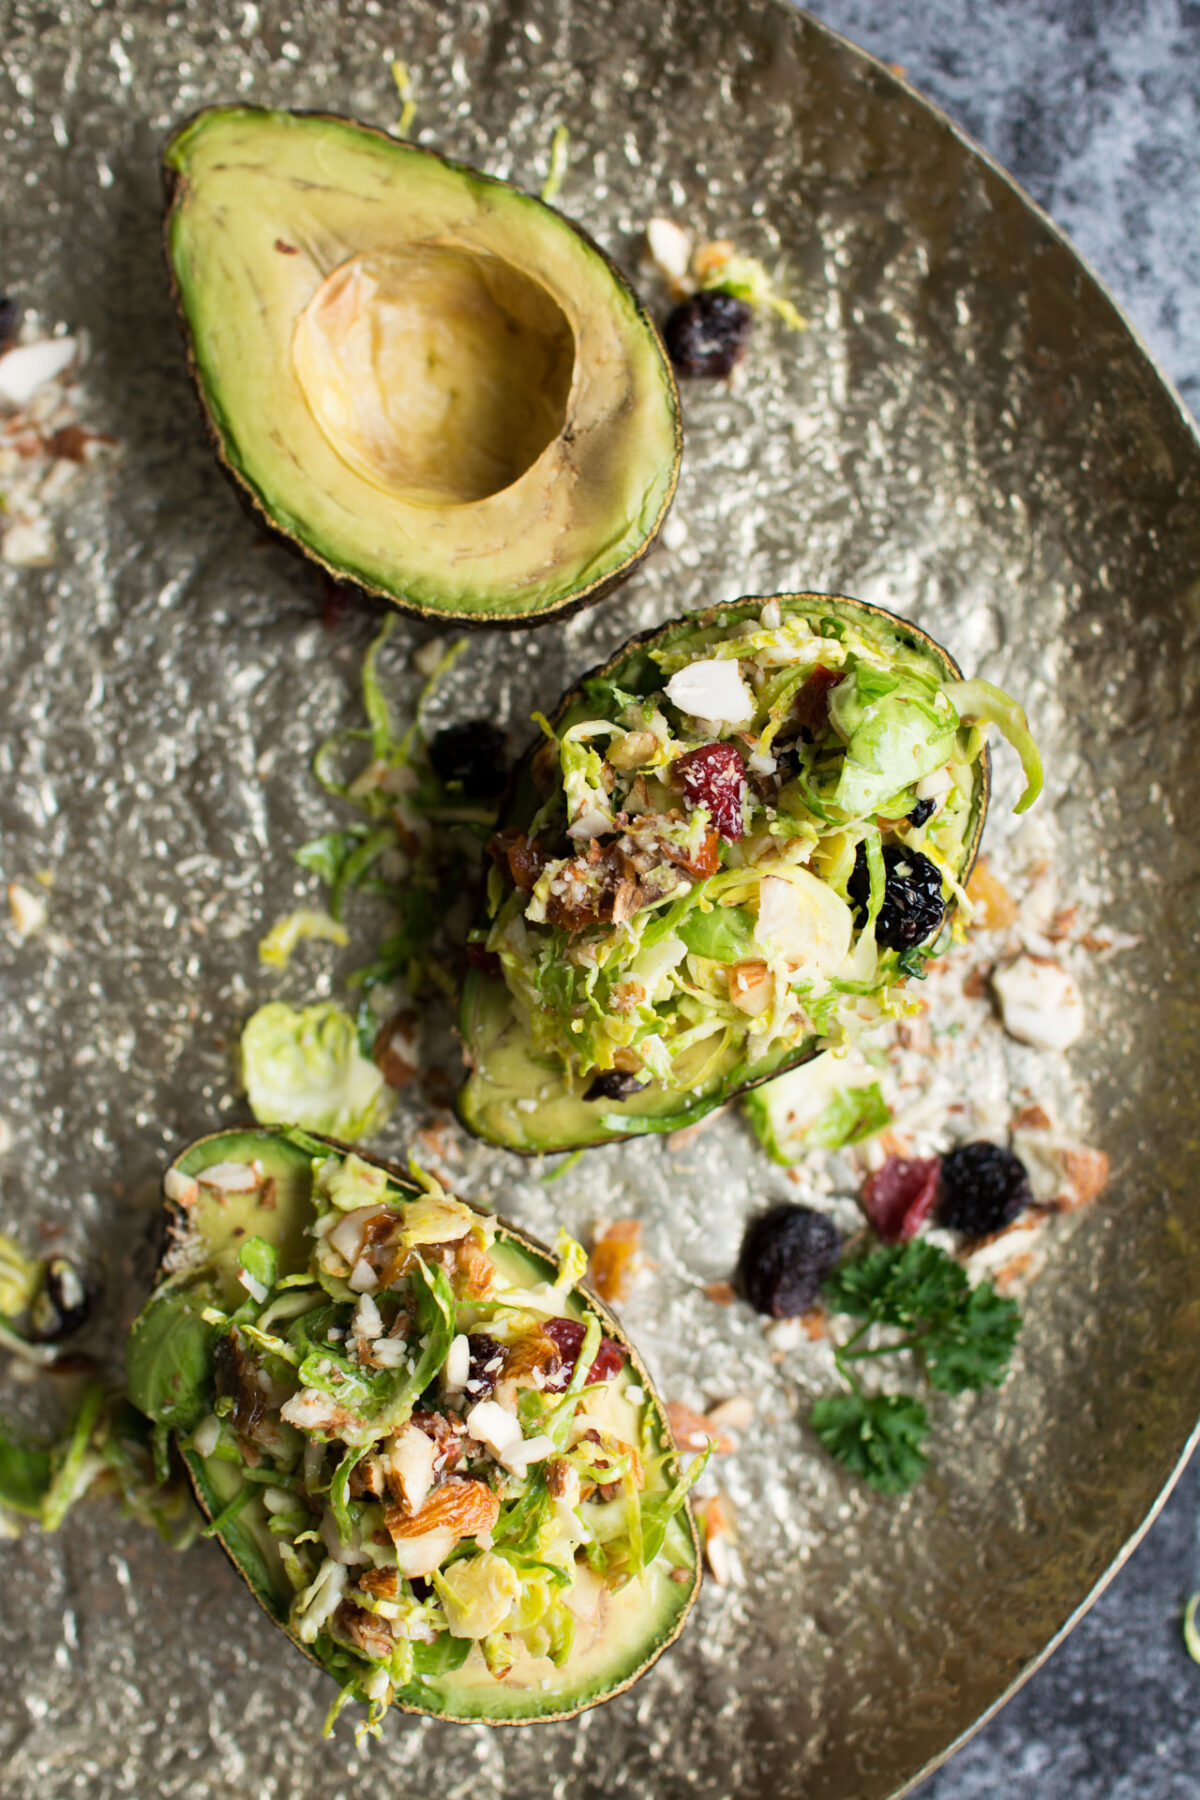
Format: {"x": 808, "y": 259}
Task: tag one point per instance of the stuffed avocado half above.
{"x": 432, "y": 383}
{"x": 438, "y": 1464}
{"x": 737, "y": 841}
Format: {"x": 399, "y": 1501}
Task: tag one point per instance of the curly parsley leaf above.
{"x": 901, "y": 1284}
{"x": 971, "y": 1347}
{"x": 877, "y": 1436}
{"x": 962, "y": 1336}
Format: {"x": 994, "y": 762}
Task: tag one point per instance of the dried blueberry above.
{"x": 471, "y": 756}
{"x": 63, "y": 1304}
{"x": 614, "y": 1084}
{"x": 11, "y": 312}
{"x": 912, "y": 908}
{"x": 487, "y": 1364}
{"x": 786, "y": 1255}
{"x": 984, "y": 1187}
{"x": 707, "y": 334}
{"x": 921, "y": 811}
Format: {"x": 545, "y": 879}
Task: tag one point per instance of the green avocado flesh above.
{"x": 431, "y": 382}
{"x": 536, "y": 1035}
{"x": 588, "y": 1612}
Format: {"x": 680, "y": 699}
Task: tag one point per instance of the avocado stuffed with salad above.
{"x": 736, "y": 843}
{"x": 437, "y": 1463}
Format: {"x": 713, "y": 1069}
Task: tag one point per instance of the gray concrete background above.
{"x": 1094, "y": 106}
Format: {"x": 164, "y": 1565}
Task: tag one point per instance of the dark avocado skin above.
{"x": 584, "y": 597}
{"x": 273, "y": 1138}
{"x": 481, "y": 992}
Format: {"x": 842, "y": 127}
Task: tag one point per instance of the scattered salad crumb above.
{"x": 43, "y": 443}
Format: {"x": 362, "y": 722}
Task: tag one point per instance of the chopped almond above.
{"x": 721, "y": 1293}
{"x": 1032, "y": 1118}
{"x": 751, "y": 987}
{"x": 1010, "y": 1273}
{"x": 733, "y": 1414}
{"x": 461, "y": 1507}
{"x": 1087, "y": 1175}
{"x": 815, "y": 1323}
{"x": 717, "y": 1523}
{"x": 995, "y": 908}
{"x": 692, "y": 1431}
{"x": 975, "y": 982}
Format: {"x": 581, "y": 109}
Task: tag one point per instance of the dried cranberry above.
{"x": 810, "y": 709}
{"x": 913, "y": 907}
{"x": 714, "y": 776}
{"x": 485, "y": 960}
{"x": 707, "y": 333}
{"x": 614, "y": 1084}
{"x": 472, "y": 757}
{"x": 921, "y": 811}
{"x": 984, "y": 1187}
{"x": 786, "y": 1255}
{"x": 487, "y": 1364}
{"x": 900, "y": 1196}
{"x": 11, "y": 313}
{"x": 567, "y": 1336}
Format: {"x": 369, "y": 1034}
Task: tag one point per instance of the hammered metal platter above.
{"x": 968, "y": 433}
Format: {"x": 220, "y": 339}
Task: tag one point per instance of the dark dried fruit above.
{"x": 487, "y": 1364}
{"x": 810, "y": 709}
{"x": 63, "y": 1304}
{"x": 923, "y": 810}
{"x": 567, "y": 1336}
{"x": 786, "y": 1255}
{"x": 522, "y": 857}
{"x": 472, "y": 757}
{"x": 900, "y": 1197}
{"x": 707, "y": 334}
{"x": 984, "y": 1187}
{"x": 233, "y": 1381}
{"x": 913, "y": 907}
{"x": 11, "y": 313}
{"x": 714, "y": 776}
{"x": 614, "y": 1084}
{"x": 486, "y": 961}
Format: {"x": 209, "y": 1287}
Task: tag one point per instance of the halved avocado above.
{"x": 515, "y": 1096}
{"x": 171, "y": 1378}
{"x": 432, "y": 383}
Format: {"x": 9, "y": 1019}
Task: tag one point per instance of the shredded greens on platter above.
{"x": 417, "y": 843}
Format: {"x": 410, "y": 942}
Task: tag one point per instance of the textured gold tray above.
{"x": 969, "y": 433}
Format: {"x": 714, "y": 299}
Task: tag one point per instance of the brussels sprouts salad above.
{"x": 437, "y": 1463}
{"x": 735, "y": 845}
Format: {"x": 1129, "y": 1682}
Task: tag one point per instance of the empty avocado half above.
{"x": 436, "y": 1460}
{"x": 430, "y": 382}
{"x": 737, "y": 842}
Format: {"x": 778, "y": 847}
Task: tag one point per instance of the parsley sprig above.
{"x": 962, "y": 1337}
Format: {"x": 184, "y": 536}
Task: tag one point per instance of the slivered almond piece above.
{"x": 692, "y": 1431}
{"x": 463, "y": 1507}
{"x": 1087, "y": 1175}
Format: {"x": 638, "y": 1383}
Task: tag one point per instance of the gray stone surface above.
{"x": 1093, "y": 106}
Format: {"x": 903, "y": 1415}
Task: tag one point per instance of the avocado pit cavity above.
{"x": 436, "y": 373}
